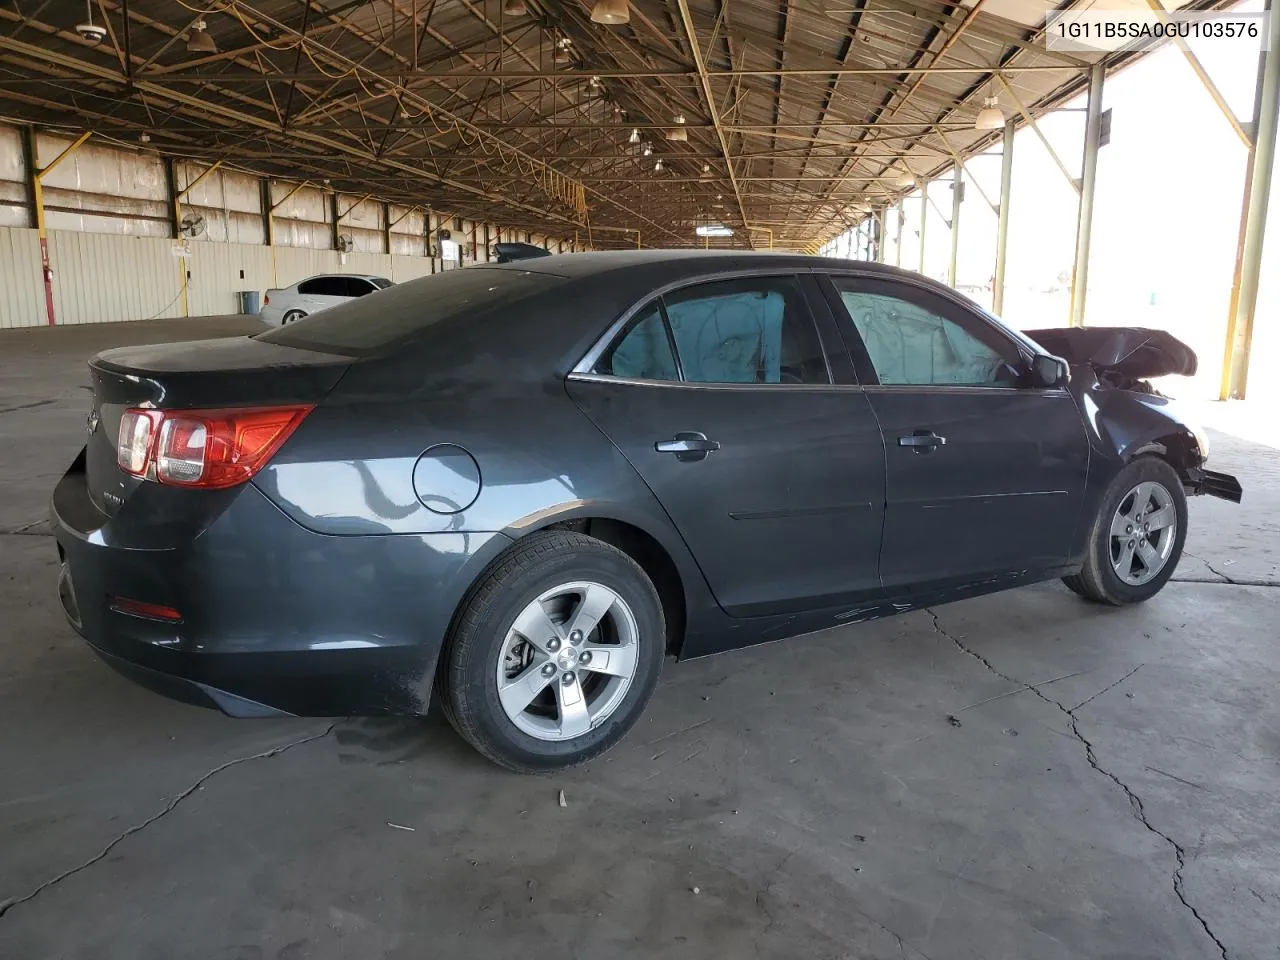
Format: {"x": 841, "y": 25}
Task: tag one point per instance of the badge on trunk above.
{"x": 91, "y": 423}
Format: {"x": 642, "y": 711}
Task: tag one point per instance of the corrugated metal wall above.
{"x": 101, "y": 278}
{"x": 113, "y": 255}
{"x": 21, "y": 286}
{"x": 220, "y": 270}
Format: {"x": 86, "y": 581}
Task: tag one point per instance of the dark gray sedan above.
{"x": 523, "y": 485}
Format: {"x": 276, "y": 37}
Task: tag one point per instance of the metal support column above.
{"x": 386, "y": 228}
{"x": 924, "y": 218}
{"x": 1088, "y": 178}
{"x": 36, "y": 174}
{"x": 900, "y": 215}
{"x": 957, "y": 196}
{"x": 268, "y": 229}
{"x": 1253, "y": 218}
{"x": 1002, "y": 228}
{"x": 334, "y": 217}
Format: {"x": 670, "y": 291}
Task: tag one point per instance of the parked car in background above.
{"x": 517, "y": 488}
{"x": 287, "y": 304}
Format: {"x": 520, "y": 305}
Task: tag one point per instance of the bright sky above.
{"x": 1166, "y": 215}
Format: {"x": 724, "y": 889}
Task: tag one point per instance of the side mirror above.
{"x": 1049, "y": 371}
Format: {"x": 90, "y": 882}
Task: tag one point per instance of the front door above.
{"x": 985, "y": 472}
{"x": 721, "y": 397}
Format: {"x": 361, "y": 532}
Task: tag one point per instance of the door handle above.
{"x": 922, "y": 441}
{"x": 688, "y": 446}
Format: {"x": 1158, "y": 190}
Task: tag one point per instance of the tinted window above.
{"x": 750, "y": 330}
{"x": 912, "y": 344}
{"x": 367, "y": 326}
{"x": 380, "y": 282}
{"x": 643, "y": 351}
{"x": 357, "y": 287}
{"x": 324, "y": 287}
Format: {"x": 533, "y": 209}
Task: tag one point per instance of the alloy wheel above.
{"x": 1143, "y": 531}
{"x": 567, "y": 661}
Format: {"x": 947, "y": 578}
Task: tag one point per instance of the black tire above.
{"x": 1097, "y": 580}
{"x": 467, "y": 680}
{"x": 291, "y": 316}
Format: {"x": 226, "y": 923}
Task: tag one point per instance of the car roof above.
{"x": 681, "y": 262}
{"x": 354, "y": 276}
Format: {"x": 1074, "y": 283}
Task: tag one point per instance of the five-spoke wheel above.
{"x": 1136, "y": 538}
{"x": 555, "y": 654}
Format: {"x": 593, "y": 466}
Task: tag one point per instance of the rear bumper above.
{"x": 275, "y": 619}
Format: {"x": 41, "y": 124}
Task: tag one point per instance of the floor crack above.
{"x": 1135, "y": 802}
{"x": 1212, "y": 569}
{"x": 8, "y": 905}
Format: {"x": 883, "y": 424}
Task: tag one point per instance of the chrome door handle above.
{"x": 922, "y": 441}
{"x": 687, "y": 446}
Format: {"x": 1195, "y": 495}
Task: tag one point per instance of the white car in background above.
{"x": 286, "y": 304}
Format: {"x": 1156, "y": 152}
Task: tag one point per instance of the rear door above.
{"x": 985, "y": 472}
{"x": 319, "y": 293}
{"x": 721, "y": 395}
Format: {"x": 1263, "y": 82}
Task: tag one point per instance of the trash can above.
{"x": 249, "y": 302}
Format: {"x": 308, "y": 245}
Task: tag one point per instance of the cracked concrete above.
{"x": 1107, "y": 788}
{"x": 1135, "y": 801}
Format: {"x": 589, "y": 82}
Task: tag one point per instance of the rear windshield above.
{"x": 380, "y": 282}
{"x": 369, "y": 325}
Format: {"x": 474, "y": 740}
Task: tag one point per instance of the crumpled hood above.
{"x": 1136, "y": 352}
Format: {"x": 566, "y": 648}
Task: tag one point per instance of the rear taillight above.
{"x": 136, "y": 439}
{"x": 210, "y": 449}
{"x": 266, "y": 299}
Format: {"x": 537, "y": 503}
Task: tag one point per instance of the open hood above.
{"x": 1136, "y": 352}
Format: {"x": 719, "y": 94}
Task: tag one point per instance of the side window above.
{"x": 324, "y": 287}
{"x": 310, "y": 286}
{"x": 751, "y": 330}
{"x": 913, "y": 345}
{"x": 357, "y": 287}
{"x": 643, "y": 351}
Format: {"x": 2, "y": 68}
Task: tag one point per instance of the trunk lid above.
{"x": 231, "y": 372}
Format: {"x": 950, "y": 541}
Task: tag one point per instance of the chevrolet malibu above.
{"x": 519, "y": 487}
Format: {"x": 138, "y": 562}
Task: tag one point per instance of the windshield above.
{"x": 369, "y": 325}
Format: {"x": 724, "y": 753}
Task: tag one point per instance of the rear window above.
{"x": 369, "y": 325}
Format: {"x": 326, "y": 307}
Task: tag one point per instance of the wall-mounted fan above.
{"x": 192, "y": 225}
{"x": 345, "y": 243}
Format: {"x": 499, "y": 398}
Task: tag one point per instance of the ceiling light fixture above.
{"x": 563, "y": 53}
{"x": 990, "y": 117}
{"x": 514, "y": 8}
{"x": 713, "y": 230}
{"x": 635, "y": 136}
{"x": 657, "y": 167}
{"x": 199, "y": 40}
{"x": 678, "y": 134}
{"x": 611, "y": 12}
{"x": 90, "y": 31}
{"x": 646, "y": 150}
{"x": 144, "y": 137}
{"x": 904, "y": 177}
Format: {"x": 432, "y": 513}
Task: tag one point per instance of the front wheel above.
{"x": 1136, "y": 539}
{"x": 555, "y": 654}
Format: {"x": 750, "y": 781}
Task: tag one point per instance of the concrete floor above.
{"x": 890, "y": 790}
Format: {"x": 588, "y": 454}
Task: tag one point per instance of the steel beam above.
{"x": 1210, "y": 87}
{"x": 1002, "y": 228}
{"x": 687, "y": 17}
{"x": 1253, "y": 218}
{"x": 1088, "y": 178}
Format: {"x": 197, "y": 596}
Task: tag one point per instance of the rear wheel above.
{"x": 556, "y": 654}
{"x": 1136, "y": 539}
{"x": 292, "y": 315}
